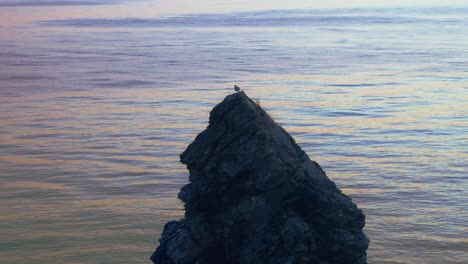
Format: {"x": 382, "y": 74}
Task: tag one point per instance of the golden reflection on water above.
{"x": 135, "y": 147}
{"x": 26, "y": 161}
{"x": 37, "y": 185}
{"x": 90, "y": 169}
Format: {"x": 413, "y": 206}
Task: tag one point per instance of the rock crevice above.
{"x": 255, "y": 197}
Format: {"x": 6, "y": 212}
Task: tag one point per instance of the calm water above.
{"x": 94, "y": 113}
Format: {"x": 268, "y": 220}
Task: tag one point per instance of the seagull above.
{"x": 236, "y": 88}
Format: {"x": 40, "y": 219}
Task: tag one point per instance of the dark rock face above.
{"x": 255, "y": 197}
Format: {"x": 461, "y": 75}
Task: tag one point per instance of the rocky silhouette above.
{"x": 255, "y": 197}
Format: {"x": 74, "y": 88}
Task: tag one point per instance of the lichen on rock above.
{"x": 255, "y": 197}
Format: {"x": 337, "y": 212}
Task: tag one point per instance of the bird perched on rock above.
{"x": 236, "y": 88}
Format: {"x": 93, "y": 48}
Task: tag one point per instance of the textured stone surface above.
{"x": 255, "y": 197}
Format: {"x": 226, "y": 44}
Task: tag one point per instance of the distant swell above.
{"x": 251, "y": 19}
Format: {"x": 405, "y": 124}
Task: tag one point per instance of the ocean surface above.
{"x": 95, "y": 111}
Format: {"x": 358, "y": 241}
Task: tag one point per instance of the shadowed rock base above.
{"x": 255, "y": 197}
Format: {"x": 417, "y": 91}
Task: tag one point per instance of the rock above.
{"x": 255, "y": 197}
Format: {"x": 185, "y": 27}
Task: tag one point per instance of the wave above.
{"x": 272, "y": 18}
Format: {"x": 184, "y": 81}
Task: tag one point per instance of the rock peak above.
{"x": 236, "y": 116}
{"x": 256, "y": 197}
{"x": 242, "y": 107}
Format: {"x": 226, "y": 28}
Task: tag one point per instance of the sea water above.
{"x": 95, "y": 111}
